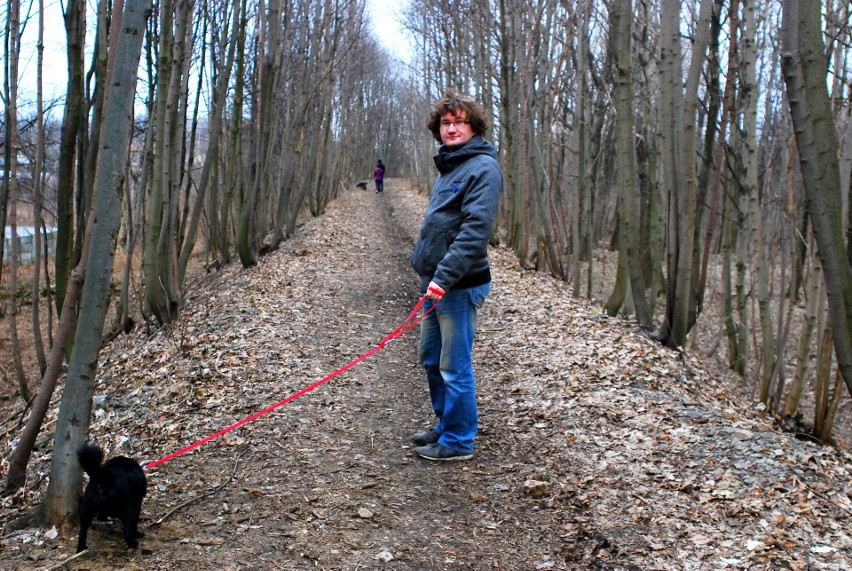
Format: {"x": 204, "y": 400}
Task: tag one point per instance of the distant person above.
{"x": 379, "y": 176}
{"x": 450, "y": 257}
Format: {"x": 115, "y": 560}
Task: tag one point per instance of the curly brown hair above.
{"x": 453, "y": 102}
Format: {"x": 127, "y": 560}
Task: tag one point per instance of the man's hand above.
{"x": 434, "y": 292}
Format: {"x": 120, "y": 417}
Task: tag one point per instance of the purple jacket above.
{"x": 379, "y": 173}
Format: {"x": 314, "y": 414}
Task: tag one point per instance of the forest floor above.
{"x": 598, "y": 448}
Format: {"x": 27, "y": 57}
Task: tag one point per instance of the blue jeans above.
{"x": 446, "y": 344}
{"x": 380, "y": 186}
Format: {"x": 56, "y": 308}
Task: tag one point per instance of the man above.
{"x": 450, "y": 257}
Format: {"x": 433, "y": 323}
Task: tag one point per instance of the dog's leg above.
{"x": 85, "y": 522}
{"x": 137, "y": 513}
{"x": 129, "y": 520}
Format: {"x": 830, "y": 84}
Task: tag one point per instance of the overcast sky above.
{"x": 385, "y": 15}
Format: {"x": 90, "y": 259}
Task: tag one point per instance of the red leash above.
{"x": 406, "y": 325}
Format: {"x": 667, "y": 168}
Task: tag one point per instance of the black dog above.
{"x": 115, "y": 489}
{"x": 362, "y": 185}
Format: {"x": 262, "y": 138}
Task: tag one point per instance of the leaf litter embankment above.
{"x": 597, "y": 447}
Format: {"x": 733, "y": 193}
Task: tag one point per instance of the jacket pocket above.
{"x": 430, "y": 250}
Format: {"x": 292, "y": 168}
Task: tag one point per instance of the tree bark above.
{"x": 233, "y": 180}
{"x": 75, "y": 33}
{"x": 14, "y": 45}
{"x": 804, "y": 65}
{"x": 620, "y": 47}
{"x": 160, "y": 257}
{"x": 20, "y": 456}
{"x": 128, "y": 30}
{"x": 815, "y": 298}
{"x": 680, "y": 168}
{"x": 215, "y": 129}
{"x": 37, "y": 205}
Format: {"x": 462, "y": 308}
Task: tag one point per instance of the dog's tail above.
{"x": 91, "y": 457}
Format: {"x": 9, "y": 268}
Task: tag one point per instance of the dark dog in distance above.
{"x": 115, "y": 489}
{"x": 362, "y": 185}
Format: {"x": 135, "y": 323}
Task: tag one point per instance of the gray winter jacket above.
{"x": 452, "y": 247}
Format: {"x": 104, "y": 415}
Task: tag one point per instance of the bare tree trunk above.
{"x": 680, "y": 158}
{"x": 188, "y": 164}
{"x": 764, "y": 301}
{"x": 831, "y": 403}
{"x": 826, "y": 397}
{"x": 264, "y": 132}
{"x": 20, "y": 456}
{"x": 804, "y": 65}
{"x": 580, "y": 224}
{"x": 47, "y": 282}
{"x": 670, "y": 108}
{"x": 91, "y": 142}
{"x": 620, "y": 48}
{"x": 652, "y": 231}
{"x": 37, "y": 180}
{"x": 160, "y": 257}
{"x": 815, "y": 299}
{"x": 745, "y": 138}
{"x": 785, "y": 317}
{"x": 517, "y": 231}
{"x": 215, "y": 129}
{"x": 7, "y": 136}
{"x": 72, "y": 121}
{"x": 128, "y": 30}
{"x": 123, "y": 321}
{"x": 135, "y": 220}
{"x": 544, "y": 188}
{"x": 734, "y": 328}
{"x": 156, "y": 290}
{"x": 721, "y": 151}
{"x": 13, "y": 36}
{"x": 231, "y": 176}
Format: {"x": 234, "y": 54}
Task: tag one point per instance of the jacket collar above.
{"x": 449, "y": 158}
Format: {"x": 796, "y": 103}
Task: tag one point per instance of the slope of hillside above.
{"x": 597, "y": 449}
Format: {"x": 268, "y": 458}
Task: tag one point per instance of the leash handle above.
{"x": 412, "y": 320}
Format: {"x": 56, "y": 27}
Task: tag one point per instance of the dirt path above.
{"x": 328, "y": 481}
{"x": 331, "y": 481}
{"x": 597, "y": 448}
